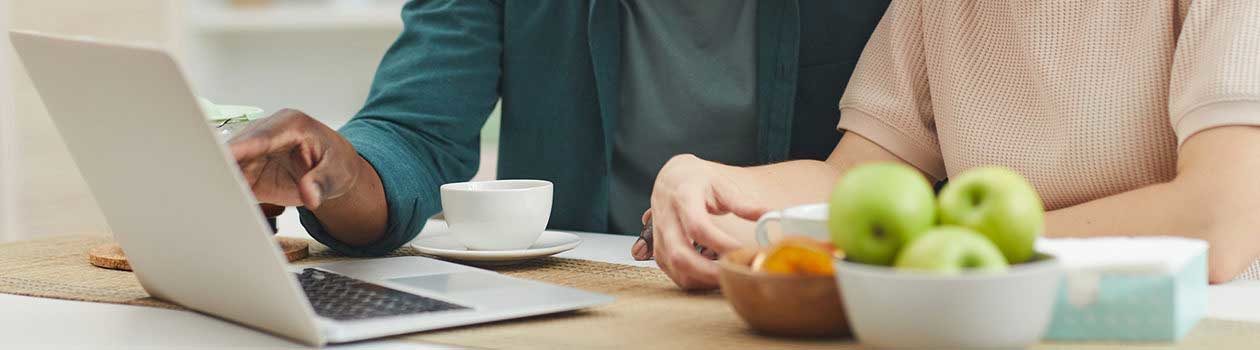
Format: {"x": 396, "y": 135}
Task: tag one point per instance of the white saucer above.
{"x": 444, "y": 245}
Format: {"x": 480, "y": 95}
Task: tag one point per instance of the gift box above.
{"x": 1128, "y": 288}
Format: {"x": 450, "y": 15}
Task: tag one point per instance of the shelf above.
{"x": 280, "y": 18}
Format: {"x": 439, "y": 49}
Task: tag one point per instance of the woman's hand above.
{"x": 642, "y": 248}
{"x": 688, "y": 192}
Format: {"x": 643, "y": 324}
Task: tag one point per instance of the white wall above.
{"x": 8, "y": 221}
{"x": 317, "y": 59}
{"x": 51, "y": 198}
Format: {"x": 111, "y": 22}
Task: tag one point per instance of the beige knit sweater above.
{"x": 1085, "y": 98}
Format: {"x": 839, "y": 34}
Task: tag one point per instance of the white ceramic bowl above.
{"x": 890, "y": 308}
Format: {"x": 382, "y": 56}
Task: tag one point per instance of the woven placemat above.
{"x": 649, "y": 313}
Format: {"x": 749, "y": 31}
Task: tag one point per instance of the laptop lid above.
{"x": 170, "y": 192}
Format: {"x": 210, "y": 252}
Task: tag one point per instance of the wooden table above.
{"x": 66, "y": 324}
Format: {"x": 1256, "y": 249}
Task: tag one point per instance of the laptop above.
{"x": 177, "y": 203}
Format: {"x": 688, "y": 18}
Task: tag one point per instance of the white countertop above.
{"x": 27, "y": 322}
{"x": 595, "y": 246}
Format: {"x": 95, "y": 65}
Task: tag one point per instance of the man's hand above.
{"x": 687, "y": 193}
{"x": 291, "y": 159}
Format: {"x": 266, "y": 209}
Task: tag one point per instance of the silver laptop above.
{"x": 192, "y": 230}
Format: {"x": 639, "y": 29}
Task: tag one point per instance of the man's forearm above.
{"x": 359, "y": 216}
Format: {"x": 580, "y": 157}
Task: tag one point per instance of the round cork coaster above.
{"x": 110, "y": 255}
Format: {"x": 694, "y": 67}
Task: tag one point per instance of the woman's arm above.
{"x": 1215, "y": 197}
{"x": 689, "y": 191}
{"x": 798, "y": 182}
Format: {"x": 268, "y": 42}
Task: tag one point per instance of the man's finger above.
{"x": 278, "y": 132}
{"x": 264, "y": 142}
{"x": 248, "y": 149}
{"x": 317, "y": 184}
{"x": 311, "y": 191}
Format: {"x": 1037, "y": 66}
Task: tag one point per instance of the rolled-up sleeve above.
{"x": 420, "y": 125}
{"x": 887, "y": 99}
{"x": 1215, "y": 77}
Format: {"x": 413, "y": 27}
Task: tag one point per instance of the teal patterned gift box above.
{"x": 1128, "y": 289}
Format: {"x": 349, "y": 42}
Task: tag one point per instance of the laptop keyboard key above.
{"x": 343, "y": 298}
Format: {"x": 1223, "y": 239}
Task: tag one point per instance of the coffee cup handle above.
{"x": 763, "y": 237}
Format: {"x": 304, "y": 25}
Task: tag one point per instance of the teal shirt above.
{"x": 555, "y": 64}
{"x": 688, "y": 85}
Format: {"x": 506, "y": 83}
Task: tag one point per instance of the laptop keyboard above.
{"x": 343, "y": 298}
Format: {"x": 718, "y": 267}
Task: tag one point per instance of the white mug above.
{"x": 497, "y": 215}
{"x": 808, "y": 220}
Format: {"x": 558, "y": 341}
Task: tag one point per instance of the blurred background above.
{"x": 313, "y": 55}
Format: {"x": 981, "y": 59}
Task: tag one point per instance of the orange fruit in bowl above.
{"x": 797, "y": 256}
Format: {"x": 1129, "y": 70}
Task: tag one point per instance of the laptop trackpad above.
{"x": 460, "y": 282}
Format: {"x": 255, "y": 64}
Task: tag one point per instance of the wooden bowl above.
{"x": 782, "y": 305}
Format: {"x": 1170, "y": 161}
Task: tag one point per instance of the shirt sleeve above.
{"x": 1215, "y": 79}
{"x": 420, "y": 126}
{"x": 887, "y": 99}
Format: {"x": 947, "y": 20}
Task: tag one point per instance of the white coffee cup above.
{"x": 497, "y": 215}
{"x": 808, "y": 220}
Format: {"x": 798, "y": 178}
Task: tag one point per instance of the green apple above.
{"x": 949, "y": 250}
{"x": 877, "y": 208}
{"x": 998, "y": 203}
